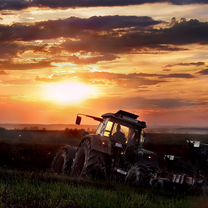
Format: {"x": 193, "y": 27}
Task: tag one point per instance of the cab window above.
{"x": 108, "y": 129}
{"x": 128, "y": 132}
{"x": 99, "y": 128}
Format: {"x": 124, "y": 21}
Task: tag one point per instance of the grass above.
{"x": 26, "y": 189}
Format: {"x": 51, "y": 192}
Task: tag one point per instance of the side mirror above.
{"x": 78, "y": 120}
{"x": 143, "y": 124}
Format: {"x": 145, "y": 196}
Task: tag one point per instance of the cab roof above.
{"x": 125, "y": 117}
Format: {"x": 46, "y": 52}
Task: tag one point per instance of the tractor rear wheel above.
{"x": 88, "y": 162}
{"x": 63, "y": 160}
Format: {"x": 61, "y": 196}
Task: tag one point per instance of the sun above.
{"x": 69, "y": 93}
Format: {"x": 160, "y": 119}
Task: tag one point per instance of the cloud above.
{"x": 181, "y": 2}
{"x": 17, "y": 81}
{"x": 186, "y": 64}
{"x": 178, "y": 76}
{"x": 8, "y": 50}
{"x": 171, "y": 75}
{"x": 90, "y": 60}
{"x": 3, "y": 73}
{"x": 23, "y": 4}
{"x": 103, "y": 37}
{"x": 142, "y": 103}
{"x": 122, "y": 80}
{"x": 145, "y": 75}
{"x": 203, "y": 72}
{"x": 192, "y": 31}
{"x": 25, "y": 66}
{"x": 72, "y": 27}
{"x": 163, "y": 103}
{"x": 162, "y": 39}
{"x": 126, "y": 31}
{"x": 131, "y": 80}
{"x": 14, "y": 4}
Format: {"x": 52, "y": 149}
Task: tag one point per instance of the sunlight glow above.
{"x": 69, "y": 93}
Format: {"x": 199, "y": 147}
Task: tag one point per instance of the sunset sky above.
{"x": 60, "y": 58}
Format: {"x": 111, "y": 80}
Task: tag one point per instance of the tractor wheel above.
{"x": 88, "y": 163}
{"x": 136, "y": 176}
{"x": 63, "y": 160}
{"x": 204, "y": 189}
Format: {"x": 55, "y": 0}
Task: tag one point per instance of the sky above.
{"x": 60, "y": 58}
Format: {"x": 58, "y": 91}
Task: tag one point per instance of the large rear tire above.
{"x": 88, "y": 163}
{"x": 63, "y": 160}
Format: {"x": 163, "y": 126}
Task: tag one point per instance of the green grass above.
{"x": 22, "y": 189}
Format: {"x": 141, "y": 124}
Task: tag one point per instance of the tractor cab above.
{"x": 121, "y": 127}
{"x": 118, "y": 130}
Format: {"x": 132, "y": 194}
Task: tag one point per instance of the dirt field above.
{"x": 35, "y": 149}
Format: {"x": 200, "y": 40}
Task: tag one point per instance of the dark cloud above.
{"x": 25, "y": 66}
{"x": 181, "y": 2}
{"x": 14, "y": 4}
{"x": 203, "y": 72}
{"x": 192, "y": 31}
{"x": 104, "y": 37}
{"x": 72, "y": 27}
{"x": 178, "y": 76}
{"x": 171, "y": 75}
{"x": 131, "y": 76}
{"x": 22, "y": 4}
{"x": 91, "y": 3}
{"x": 134, "y": 32}
{"x": 11, "y": 49}
{"x": 180, "y": 34}
{"x": 186, "y": 64}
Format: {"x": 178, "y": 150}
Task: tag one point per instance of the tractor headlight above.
{"x": 150, "y": 157}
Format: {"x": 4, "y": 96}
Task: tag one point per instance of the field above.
{"x": 26, "y": 181}
{"x": 29, "y": 189}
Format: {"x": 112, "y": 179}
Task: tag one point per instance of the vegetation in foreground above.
{"x": 26, "y": 189}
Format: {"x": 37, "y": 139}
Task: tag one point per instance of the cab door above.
{"x": 102, "y": 140}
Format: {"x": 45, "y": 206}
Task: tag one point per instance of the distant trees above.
{"x": 2, "y": 129}
{"x": 76, "y": 133}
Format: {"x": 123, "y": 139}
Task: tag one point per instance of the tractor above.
{"x": 114, "y": 152}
